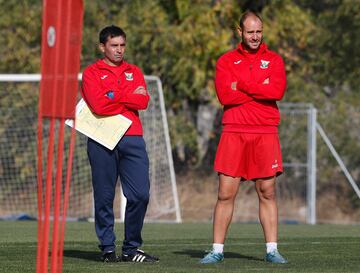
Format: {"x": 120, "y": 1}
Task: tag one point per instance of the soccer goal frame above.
{"x": 172, "y": 208}
{"x": 310, "y": 164}
{"x": 313, "y": 127}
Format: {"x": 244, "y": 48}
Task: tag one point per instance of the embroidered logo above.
{"x": 264, "y": 64}
{"x": 237, "y": 62}
{"x": 103, "y": 77}
{"x": 129, "y": 76}
{"x": 110, "y": 94}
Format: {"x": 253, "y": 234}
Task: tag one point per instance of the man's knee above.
{"x": 144, "y": 197}
{"x": 139, "y": 197}
{"x": 226, "y": 196}
{"x": 267, "y": 194}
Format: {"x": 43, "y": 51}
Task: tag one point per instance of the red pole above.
{"x": 66, "y": 196}
{"x": 57, "y": 199}
{"x": 40, "y": 192}
{"x": 60, "y": 63}
{"x": 48, "y": 191}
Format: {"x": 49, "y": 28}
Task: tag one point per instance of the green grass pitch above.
{"x": 319, "y": 248}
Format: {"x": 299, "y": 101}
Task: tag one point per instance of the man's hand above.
{"x": 233, "y": 85}
{"x": 140, "y": 90}
{"x": 242, "y": 86}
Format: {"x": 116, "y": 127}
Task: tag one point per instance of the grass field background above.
{"x": 320, "y": 248}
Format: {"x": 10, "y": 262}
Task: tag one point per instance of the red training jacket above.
{"x": 108, "y": 90}
{"x": 248, "y": 86}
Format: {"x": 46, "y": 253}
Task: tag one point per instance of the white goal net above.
{"x": 18, "y": 153}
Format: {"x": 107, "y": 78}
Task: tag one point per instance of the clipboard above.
{"x": 106, "y": 130}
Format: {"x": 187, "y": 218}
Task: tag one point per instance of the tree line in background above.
{"x": 180, "y": 41}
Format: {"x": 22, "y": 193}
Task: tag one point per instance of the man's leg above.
{"x": 224, "y": 208}
{"x": 268, "y": 214}
{"x": 134, "y": 176}
{"x": 228, "y": 188}
{"x": 104, "y": 177}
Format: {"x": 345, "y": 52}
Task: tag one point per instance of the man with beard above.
{"x": 249, "y": 80}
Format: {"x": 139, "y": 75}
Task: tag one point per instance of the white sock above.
{"x": 270, "y": 247}
{"x": 218, "y": 248}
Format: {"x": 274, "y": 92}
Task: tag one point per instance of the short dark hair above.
{"x": 110, "y": 32}
{"x": 247, "y": 14}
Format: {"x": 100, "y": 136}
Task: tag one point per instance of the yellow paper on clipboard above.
{"x": 106, "y": 130}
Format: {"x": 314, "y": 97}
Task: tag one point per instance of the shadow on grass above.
{"x": 85, "y": 255}
{"x": 228, "y": 255}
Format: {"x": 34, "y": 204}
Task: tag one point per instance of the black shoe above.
{"x": 139, "y": 257}
{"x": 110, "y": 257}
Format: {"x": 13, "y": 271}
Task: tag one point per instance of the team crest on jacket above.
{"x": 264, "y": 64}
{"x": 129, "y": 76}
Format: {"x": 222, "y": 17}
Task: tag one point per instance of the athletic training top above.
{"x": 248, "y": 86}
{"x": 108, "y": 90}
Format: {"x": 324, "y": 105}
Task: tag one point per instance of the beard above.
{"x": 250, "y": 47}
